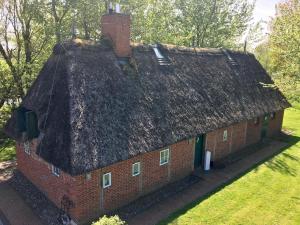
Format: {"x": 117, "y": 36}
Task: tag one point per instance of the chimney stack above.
{"x": 116, "y": 26}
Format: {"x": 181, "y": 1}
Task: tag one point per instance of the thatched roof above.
{"x": 101, "y": 113}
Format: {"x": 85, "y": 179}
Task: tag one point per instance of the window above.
{"x": 106, "y": 179}
{"x": 225, "y": 135}
{"x": 55, "y": 171}
{"x": 272, "y": 116}
{"x": 164, "y": 157}
{"x": 27, "y": 122}
{"x": 136, "y": 169}
{"x": 27, "y": 147}
{"x": 162, "y": 61}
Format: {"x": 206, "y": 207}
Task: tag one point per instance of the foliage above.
{"x": 114, "y": 220}
{"x": 208, "y": 23}
{"x": 7, "y": 146}
{"x": 7, "y": 150}
{"x": 281, "y": 53}
{"x": 203, "y": 23}
{"x": 247, "y": 200}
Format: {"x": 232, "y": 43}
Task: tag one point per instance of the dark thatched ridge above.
{"x": 101, "y": 113}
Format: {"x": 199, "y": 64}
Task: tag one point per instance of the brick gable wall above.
{"x": 91, "y": 200}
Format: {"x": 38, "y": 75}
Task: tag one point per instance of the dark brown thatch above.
{"x": 101, "y": 113}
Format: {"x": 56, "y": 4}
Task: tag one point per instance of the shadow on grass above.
{"x": 274, "y": 164}
{"x": 280, "y": 164}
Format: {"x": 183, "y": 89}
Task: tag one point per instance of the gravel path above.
{"x": 37, "y": 201}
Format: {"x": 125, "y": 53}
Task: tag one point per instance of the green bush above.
{"x": 7, "y": 146}
{"x": 5, "y": 113}
{"x": 113, "y": 220}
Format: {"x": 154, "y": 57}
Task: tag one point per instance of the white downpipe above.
{"x": 207, "y": 160}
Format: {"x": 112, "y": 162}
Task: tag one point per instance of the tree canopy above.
{"x": 280, "y": 54}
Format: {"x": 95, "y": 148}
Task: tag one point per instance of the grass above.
{"x": 7, "y": 150}
{"x": 269, "y": 194}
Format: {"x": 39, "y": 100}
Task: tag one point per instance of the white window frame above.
{"x": 164, "y": 157}
{"x": 225, "y": 135}
{"x": 26, "y": 147}
{"x": 55, "y": 171}
{"x": 103, "y": 180}
{"x": 138, "y": 164}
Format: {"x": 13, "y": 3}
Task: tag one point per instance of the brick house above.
{"x": 105, "y": 123}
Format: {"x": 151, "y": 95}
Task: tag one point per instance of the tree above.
{"x": 283, "y": 47}
{"x": 207, "y": 23}
{"x": 20, "y": 19}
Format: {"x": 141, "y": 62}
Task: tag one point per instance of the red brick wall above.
{"x": 254, "y": 131}
{"x": 236, "y": 137}
{"x": 91, "y": 199}
{"x": 240, "y": 135}
{"x": 125, "y": 188}
{"x": 40, "y": 174}
{"x": 275, "y": 124}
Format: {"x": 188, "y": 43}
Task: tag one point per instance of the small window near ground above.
{"x": 256, "y": 121}
{"x": 136, "y": 169}
{"x": 225, "y": 135}
{"x": 106, "y": 180}
{"x": 27, "y": 147}
{"x": 272, "y": 116}
{"x": 164, "y": 157}
{"x": 55, "y": 171}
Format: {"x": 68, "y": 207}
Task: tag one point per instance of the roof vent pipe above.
{"x": 118, "y": 8}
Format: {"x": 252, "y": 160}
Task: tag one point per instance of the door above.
{"x": 199, "y": 151}
{"x": 265, "y": 125}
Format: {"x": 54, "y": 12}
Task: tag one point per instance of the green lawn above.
{"x": 268, "y": 195}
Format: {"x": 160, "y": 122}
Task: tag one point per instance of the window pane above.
{"x": 106, "y": 180}
{"x": 225, "y": 135}
{"x": 136, "y": 169}
{"x": 164, "y": 156}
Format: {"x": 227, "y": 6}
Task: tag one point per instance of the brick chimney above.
{"x": 116, "y": 26}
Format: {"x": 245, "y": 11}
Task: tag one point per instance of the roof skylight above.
{"x": 162, "y": 61}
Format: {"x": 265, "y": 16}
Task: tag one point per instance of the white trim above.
{"x": 55, "y": 171}
{"x": 109, "y": 180}
{"x": 139, "y": 169}
{"x": 167, "y": 152}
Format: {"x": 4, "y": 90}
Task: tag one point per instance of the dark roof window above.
{"x": 27, "y": 122}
